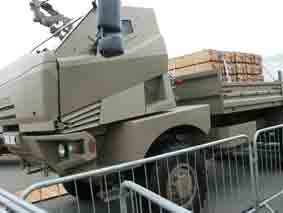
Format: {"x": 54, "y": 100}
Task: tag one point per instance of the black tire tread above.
{"x": 168, "y": 143}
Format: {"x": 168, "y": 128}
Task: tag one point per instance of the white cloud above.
{"x": 253, "y": 26}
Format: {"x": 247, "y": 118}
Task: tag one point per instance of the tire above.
{"x": 81, "y": 189}
{"x": 184, "y": 170}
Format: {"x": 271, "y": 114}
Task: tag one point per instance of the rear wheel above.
{"x": 180, "y": 179}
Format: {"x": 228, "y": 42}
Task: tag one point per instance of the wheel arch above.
{"x": 131, "y": 140}
{"x": 199, "y": 137}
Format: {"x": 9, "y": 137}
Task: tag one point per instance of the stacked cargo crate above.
{"x": 233, "y": 66}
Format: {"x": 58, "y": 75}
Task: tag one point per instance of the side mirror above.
{"x": 111, "y": 46}
{"x": 110, "y": 41}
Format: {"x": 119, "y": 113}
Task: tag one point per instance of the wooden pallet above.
{"x": 194, "y": 59}
{"x": 234, "y": 69}
{"x": 244, "y": 78}
{"x": 206, "y": 56}
{"x": 239, "y": 66}
{"x": 45, "y": 194}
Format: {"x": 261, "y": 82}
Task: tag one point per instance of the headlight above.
{"x": 66, "y": 151}
{"x": 63, "y": 151}
{"x": 76, "y": 148}
{"x": 72, "y": 149}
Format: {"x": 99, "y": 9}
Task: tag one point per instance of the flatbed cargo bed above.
{"x": 226, "y": 98}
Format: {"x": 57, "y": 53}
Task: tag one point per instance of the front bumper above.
{"x": 43, "y": 149}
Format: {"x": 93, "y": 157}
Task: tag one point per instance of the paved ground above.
{"x": 13, "y": 178}
{"x": 234, "y": 191}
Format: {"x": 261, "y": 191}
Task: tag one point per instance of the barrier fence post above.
{"x": 267, "y": 155}
{"x": 255, "y": 169}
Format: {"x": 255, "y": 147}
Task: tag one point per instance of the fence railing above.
{"x": 138, "y": 193}
{"x": 266, "y": 204}
{"x": 268, "y": 156}
{"x": 10, "y": 203}
{"x": 217, "y": 175}
{"x": 228, "y": 175}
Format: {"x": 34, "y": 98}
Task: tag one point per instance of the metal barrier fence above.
{"x": 268, "y": 165}
{"x": 10, "y": 203}
{"x": 218, "y": 175}
{"x": 266, "y": 204}
{"x": 138, "y": 193}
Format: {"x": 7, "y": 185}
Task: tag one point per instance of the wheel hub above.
{"x": 181, "y": 187}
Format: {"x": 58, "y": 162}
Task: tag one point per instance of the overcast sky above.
{"x": 245, "y": 25}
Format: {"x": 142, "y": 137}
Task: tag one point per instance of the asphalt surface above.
{"x": 230, "y": 188}
{"x": 13, "y": 178}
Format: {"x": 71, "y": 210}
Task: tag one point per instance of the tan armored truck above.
{"x": 103, "y": 96}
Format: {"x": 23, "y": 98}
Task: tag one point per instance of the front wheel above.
{"x": 180, "y": 179}
{"x": 82, "y": 189}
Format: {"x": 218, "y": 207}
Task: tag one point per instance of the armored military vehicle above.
{"x": 103, "y": 96}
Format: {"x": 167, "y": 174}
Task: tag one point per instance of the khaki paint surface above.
{"x": 131, "y": 140}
